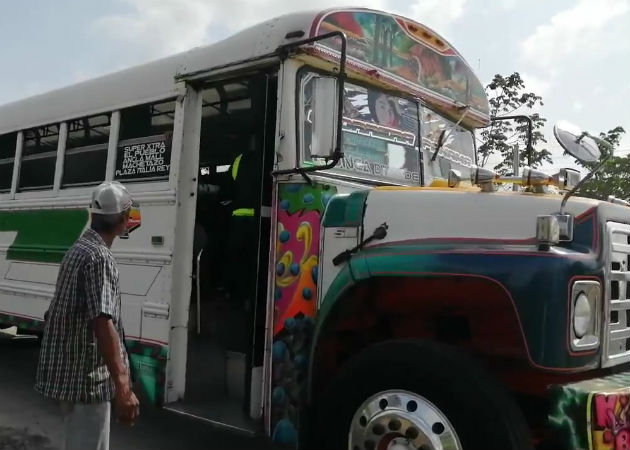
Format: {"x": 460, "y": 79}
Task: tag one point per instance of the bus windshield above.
{"x": 380, "y": 135}
{"x": 457, "y": 150}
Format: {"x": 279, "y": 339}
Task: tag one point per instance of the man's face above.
{"x": 124, "y": 223}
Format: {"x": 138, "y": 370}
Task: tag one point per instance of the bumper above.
{"x": 592, "y": 414}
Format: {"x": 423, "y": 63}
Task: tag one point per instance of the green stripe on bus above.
{"x": 43, "y": 235}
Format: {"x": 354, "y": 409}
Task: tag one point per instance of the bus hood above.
{"x": 445, "y": 215}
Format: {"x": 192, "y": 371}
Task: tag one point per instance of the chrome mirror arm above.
{"x": 582, "y": 182}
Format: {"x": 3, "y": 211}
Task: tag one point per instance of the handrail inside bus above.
{"x": 198, "y": 280}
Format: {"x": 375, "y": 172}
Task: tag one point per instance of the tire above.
{"x": 481, "y": 413}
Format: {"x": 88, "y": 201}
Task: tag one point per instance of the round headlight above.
{"x": 581, "y": 315}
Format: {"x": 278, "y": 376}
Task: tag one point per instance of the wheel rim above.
{"x": 398, "y": 420}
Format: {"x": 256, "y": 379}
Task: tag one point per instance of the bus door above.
{"x": 231, "y": 252}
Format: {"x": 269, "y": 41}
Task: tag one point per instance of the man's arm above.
{"x": 127, "y": 406}
{"x": 100, "y": 307}
{"x": 109, "y": 346}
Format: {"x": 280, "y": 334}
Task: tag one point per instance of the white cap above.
{"x": 110, "y": 197}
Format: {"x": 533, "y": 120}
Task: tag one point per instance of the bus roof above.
{"x": 156, "y": 80}
{"x": 150, "y": 81}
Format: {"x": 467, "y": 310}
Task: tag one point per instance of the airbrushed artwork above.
{"x": 407, "y": 54}
{"x": 300, "y": 209}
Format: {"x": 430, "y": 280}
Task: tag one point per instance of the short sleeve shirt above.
{"x": 71, "y": 367}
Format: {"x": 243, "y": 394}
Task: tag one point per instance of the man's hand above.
{"x": 126, "y": 404}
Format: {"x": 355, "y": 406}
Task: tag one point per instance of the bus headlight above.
{"x": 582, "y": 316}
{"x": 585, "y": 315}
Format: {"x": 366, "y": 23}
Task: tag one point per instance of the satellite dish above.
{"x": 577, "y": 142}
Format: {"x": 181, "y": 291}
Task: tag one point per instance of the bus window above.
{"x": 144, "y": 146}
{"x": 86, "y": 151}
{"x": 147, "y": 120}
{"x": 7, "y": 157}
{"x": 39, "y": 156}
{"x": 380, "y": 135}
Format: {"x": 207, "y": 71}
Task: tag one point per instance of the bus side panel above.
{"x": 300, "y": 208}
{"x": 32, "y": 244}
{"x": 29, "y": 264}
{"x": 145, "y": 267}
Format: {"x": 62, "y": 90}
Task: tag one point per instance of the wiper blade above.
{"x": 440, "y": 142}
{"x": 442, "y": 139}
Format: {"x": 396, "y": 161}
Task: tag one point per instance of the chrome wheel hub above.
{"x": 400, "y": 420}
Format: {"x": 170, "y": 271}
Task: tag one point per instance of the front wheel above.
{"x": 416, "y": 395}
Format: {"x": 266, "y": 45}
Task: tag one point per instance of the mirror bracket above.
{"x": 554, "y": 228}
{"x": 337, "y": 154}
{"x": 582, "y": 182}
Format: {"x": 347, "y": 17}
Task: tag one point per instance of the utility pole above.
{"x": 515, "y": 165}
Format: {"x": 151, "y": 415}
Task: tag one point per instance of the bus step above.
{"x": 226, "y": 414}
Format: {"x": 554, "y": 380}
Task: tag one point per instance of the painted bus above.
{"x": 308, "y": 259}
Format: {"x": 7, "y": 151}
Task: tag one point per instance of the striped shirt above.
{"x": 71, "y": 367}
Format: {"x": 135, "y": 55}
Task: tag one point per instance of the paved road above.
{"x": 29, "y": 422}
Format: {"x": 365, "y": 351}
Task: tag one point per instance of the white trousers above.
{"x": 86, "y": 425}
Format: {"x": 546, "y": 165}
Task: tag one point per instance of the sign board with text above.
{"x": 144, "y": 159}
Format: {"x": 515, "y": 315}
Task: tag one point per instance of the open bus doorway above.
{"x": 230, "y": 253}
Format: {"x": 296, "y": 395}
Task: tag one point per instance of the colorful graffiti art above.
{"x": 407, "y": 53}
{"x": 592, "y": 414}
{"x": 610, "y": 422}
{"x": 300, "y": 209}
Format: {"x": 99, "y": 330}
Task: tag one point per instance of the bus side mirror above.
{"x": 324, "y": 116}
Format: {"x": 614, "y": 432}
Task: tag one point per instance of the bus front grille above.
{"x": 616, "y": 339}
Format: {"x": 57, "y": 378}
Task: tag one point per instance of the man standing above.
{"x": 83, "y": 363}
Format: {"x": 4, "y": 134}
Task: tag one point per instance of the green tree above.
{"x": 614, "y": 177}
{"x": 507, "y": 96}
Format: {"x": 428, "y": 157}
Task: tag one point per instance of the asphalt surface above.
{"x": 30, "y": 422}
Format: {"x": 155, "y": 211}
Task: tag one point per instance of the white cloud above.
{"x": 437, "y": 14}
{"x": 509, "y": 4}
{"x": 578, "y": 106}
{"x": 537, "y": 85}
{"x": 23, "y": 90}
{"x": 159, "y": 28}
{"x": 574, "y": 31}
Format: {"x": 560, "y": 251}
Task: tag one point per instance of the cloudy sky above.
{"x": 574, "y": 53}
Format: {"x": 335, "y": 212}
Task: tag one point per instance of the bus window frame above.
{"x": 11, "y": 159}
{"x": 334, "y": 173}
{"x": 78, "y": 151}
{"x": 171, "y": 178}
{"x": 84, "y": 149}
{"x": 34, "y": 157}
